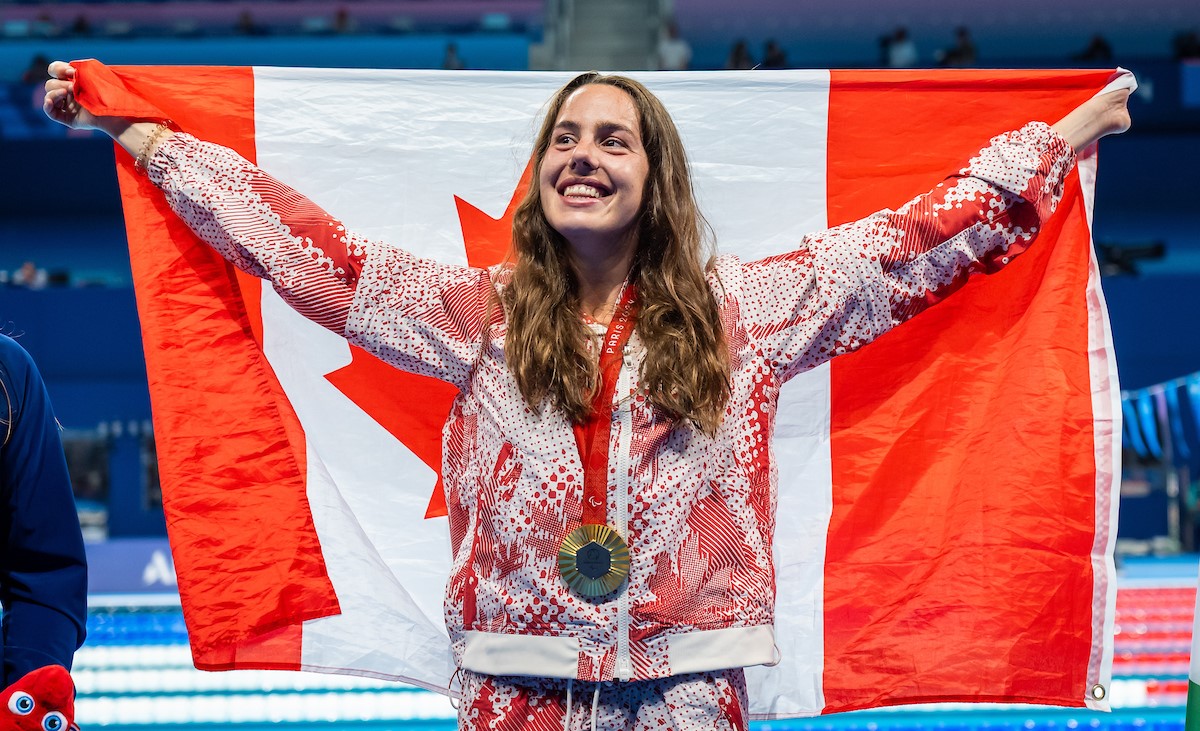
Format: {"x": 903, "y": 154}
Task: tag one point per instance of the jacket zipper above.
{"x": 624, "y": 414}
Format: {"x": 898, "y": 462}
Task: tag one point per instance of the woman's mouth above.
{"x": 583, "y": 190}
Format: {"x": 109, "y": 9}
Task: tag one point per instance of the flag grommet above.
{"x": 1098, "y": 692}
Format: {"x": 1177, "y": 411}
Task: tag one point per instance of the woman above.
{"x": 607, "y": 459}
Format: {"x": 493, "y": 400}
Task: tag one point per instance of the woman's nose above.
{"x": 583, "y": 157}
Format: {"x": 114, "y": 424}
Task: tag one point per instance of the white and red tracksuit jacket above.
{"x": 697, "y": 512}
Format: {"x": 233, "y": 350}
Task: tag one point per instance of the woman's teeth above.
{"x": 581, "y": 190}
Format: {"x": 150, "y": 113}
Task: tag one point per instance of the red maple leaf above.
{"x": 414, "y": 408}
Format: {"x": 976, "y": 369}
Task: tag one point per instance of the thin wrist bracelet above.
{"x": 143, "y": 157}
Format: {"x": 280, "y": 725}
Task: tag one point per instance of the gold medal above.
{"x": 593, "y": 560}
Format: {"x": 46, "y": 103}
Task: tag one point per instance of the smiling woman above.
{"x": 613, "y": 204}
{"x": 607, "y": 462}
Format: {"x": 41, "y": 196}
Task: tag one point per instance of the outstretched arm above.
{"x": 303, "y": 251}
{"x": 848, "y": 285}
{"x": 416, "y": 314}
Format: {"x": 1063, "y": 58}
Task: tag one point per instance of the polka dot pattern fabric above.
{"x": 697, "y": 512}
{"x": 714, "y": 701}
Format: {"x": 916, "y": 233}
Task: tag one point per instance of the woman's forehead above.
{"x": 594, "y": 104}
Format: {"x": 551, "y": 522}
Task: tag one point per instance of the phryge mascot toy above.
{"x": 42, "y": 700}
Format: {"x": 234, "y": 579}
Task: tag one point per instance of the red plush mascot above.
{"x": 42, "y": 700}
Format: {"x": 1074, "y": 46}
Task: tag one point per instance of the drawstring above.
{"x": 567, "y": 717}
{"x": 595, "y": 705}
{"x": 455, "y": 702}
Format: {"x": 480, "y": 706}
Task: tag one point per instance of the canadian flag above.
{"x": 947, "y": 506}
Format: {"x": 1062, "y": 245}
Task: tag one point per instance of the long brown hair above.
{"x": 686, "y": 368}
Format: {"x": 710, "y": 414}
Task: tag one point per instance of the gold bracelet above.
{"x": 143, "y": 156}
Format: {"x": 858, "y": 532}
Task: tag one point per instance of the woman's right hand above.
{"x": 60, "y": 103}
{"x": 139, "y": 137}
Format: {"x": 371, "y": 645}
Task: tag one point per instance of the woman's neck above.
{"x": 601, "y": 279}
{"x": 599, "y": 302}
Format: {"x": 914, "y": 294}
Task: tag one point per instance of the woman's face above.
{"x": 594, "y": 172}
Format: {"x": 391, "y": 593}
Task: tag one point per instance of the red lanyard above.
{"x": 592, "y": 435}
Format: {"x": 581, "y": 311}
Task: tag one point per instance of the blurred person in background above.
{"x": 43, "y": 574}
{"x": 35, "y": 72}
{"x": 1186, "y": 45}
{"x": 344, "y": 23}
{"x": 29, "y": 276}
{"x": 674, "y": 53}
{"x": 961, "y": 54}
{"x": 774, "y": 57}
{"x": 900, "y": 52}
{"x": 247, "y": 26}
{"x": 739, "y": 57}
{"x": 34, "y": 77}
{"x": 81, "y": 26}
{"x": 1097, "y": 49}
{"x": 451, "y": 61}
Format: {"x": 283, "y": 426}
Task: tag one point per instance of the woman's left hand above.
{"x": 1104, "y": 114}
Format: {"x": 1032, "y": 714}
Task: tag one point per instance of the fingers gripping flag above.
{"x": 947, "y": 508}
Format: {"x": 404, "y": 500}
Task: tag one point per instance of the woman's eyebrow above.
{"x": 570, "y": 126}
{"x": 615, "y": 127}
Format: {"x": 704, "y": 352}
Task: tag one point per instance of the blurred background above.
{"x": 66, "y": 294}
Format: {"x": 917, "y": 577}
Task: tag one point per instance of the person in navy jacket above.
{"x": 43, "y": 573}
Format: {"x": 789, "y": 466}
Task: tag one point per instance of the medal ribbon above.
{"x": 592, "y": 435}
